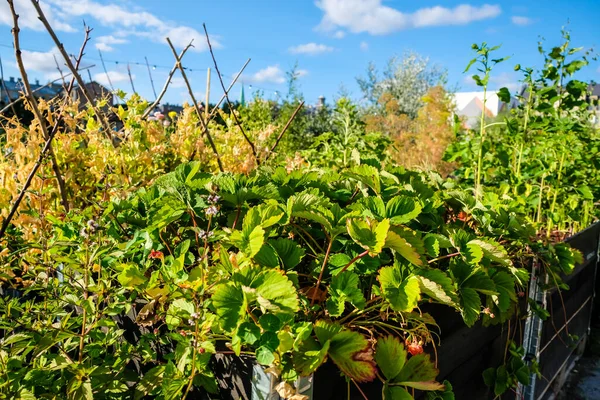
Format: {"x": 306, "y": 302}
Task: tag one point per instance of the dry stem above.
{"x": 69, "y": 63}
{"x": 285, "y": 128}
{"x": 167, "y": 82}
{"x": 237, "y": 121}
{"x": 34, "y": 106}
{"x": 198, "y": 111}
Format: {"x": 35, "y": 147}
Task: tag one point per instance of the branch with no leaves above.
{"x": 34, "y": 106}
{"x": 226, "y": 93}
{"x": 47, "y": 145}
{"x": 285, "y": 128}
{"x": 189, "y": 87}
{"x": 16, "y": 101}
{"x": 74, "y": 71}
{"x": 167, "y": 82}
{"x": 252, "y": 147}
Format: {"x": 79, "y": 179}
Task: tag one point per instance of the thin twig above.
{"x": 285, "y": 128}
{"x": 150, "y": 74}
{"x": 11, "y": 103}
{"x": 62, "y": 76}
{"x": 130, "y": 78}
{"x": 34, "y": 106}
{"x": 237, "y": 121}
{"x": 80, "y": 82}
{"x": 325, "y": 259}
{"x": 198, "y": 111}
{"x": 46, "y": 147}
{"x": 43, "y": 87}
{"x": 214, "y": 110}
{"x": 106, "y": 72}
{"x": 167, "y": 82}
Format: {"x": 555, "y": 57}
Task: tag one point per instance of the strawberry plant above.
{"x": 292, "y": 268}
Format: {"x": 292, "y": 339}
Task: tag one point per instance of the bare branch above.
{"x": 34, "y": 106}
{"x": 198, "y": 111}
{"x": 43, "y": 87}
{"x": 69, "y": 63}
{"x": 150, "y": 74}
{"x": 130, "y": 78}
{"x": 285, "y": 128}
{"x": 167, "y": 83}
{"x": 252, "y": 147}
{"x": 47, "y": 145}
{"x": 11, "y": 103}
{"x": 214, "y": 110}
{"x": 106, "y": 72}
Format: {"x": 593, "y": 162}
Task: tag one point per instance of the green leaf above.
{"x": 432, "y": 245}
{"x": 370, "y": 235}
{"x": 390, "y": 356}
{"x": 419, "y": 373}
{"x": 470, "y": 304}
{"x": 504, "y": 95}
{"x": 249, "y": 243}
{"x": 289, "y": 252}
{"x": 402, "y": 292}
{"x": 367, "y": 175}
{"x": 398, "y": 241}
{"x": 472, "y": 253}
{"x": 267, "y": 257}
{"x": 310, "y": 355}
{"x": 493, "y": 251}
{"x": 501, "y": 384}
{"x": 131, "y": 276}
{"x": 401, "y": 210}
{"x": 352, "y": 353}
{"x": 481, "y": 282}
{"x": 150, "y": 383}
{"x": 275, "y": 292}
{"x": 265, "y": 356}
{"x": 395, "y": 393}
{"x": 230, "y": 304}
{"x": 270, "y": 322}
{"x": 344, "y": 288}
{"x": 505, "y": 286}
{"x": 437, "y": 285}
{"x": 179, "y": 310}
{"x": 248, "y": 332}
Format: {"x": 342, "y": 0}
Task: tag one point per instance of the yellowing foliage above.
{"x": 420, "y": 142}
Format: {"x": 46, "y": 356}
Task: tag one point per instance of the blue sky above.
{"x": 332, "y": 40}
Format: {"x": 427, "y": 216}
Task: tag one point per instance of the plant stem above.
{"x": 481, "y": 141}
{"x": 325, "y": 259}
{"x": 358, "y": 257}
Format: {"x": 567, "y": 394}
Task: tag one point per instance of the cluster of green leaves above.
{"x": 545, "y": 152}
{"x": 294, "y": 268}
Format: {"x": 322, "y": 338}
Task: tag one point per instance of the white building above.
{"x": 469, "y": 106}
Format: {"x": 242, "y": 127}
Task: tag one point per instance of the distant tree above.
{"x": 407, "y": 80}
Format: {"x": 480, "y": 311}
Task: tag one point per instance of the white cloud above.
{"x": 177, "y": 82}
{"x": 137, "y": 23}
{"x": 311, "y": 49}
{"x": 339, "y": 34}
{"x": 521, "y": 21}
{"x": 270, "y": 74}
{"x": 104, "y": 43}
{"x": 115, "y": 77}
{"x": 28, "y": 17}
{"x": 301, "y": 72}
{"x": 373, "y": 17}
{"x": 42, "y": 61}
{"x": 364, "y": 46}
